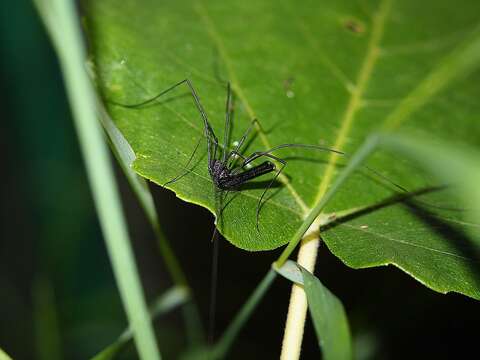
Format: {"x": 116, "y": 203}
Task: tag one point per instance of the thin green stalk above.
{"x": 223, "y": 345}
{"x": 191, "y": 316}
{"x": 61, "y": 20}
{"x": 367, "y": 147}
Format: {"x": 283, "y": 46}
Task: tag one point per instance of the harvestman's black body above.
{"x": 224, "y": 178}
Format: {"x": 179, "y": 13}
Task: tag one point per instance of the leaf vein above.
{"x": 335, "y": 70}
{"x": 464, "y": 59}
{"x": 407, "y": 243}
{"x": 355, "y": 102}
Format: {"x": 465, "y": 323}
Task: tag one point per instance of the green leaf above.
{"x": 326, "y": 73}
{"x": 329, "y": 319}
{"x": 290, "y": 271}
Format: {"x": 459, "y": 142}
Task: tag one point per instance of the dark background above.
{"x": 58, "y": 298}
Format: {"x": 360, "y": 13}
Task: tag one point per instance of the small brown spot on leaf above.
{"x": 288, "y": 82}
{"x": 355, "y": 26}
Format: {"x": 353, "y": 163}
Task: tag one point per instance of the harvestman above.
{"x": 225, "y": 174}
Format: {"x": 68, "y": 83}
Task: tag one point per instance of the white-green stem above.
{"x": 297, "y": 309}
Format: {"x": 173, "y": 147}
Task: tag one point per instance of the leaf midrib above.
{"x": 355, "y": 102}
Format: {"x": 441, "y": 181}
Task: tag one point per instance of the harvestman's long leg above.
{"x": 228, "y": 108}
{"x": 259, "y": 154}
{"x": 208, "y": 131}
{"x": 186, "y": 165}
{"x": 267, "y": 153}
{"x": 195, "y": 97}
{"x": 227, "y": 122}
{"x": 322, "y": 148}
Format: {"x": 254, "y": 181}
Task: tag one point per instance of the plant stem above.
{"x": 297, "y": 309}
{"x": 61, "y": 20}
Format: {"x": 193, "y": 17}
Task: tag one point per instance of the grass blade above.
{"x": 61, "y": 20}
{"x": 329, "y": 319}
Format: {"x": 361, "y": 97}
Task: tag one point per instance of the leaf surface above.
{"x": 326, "y": 73}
